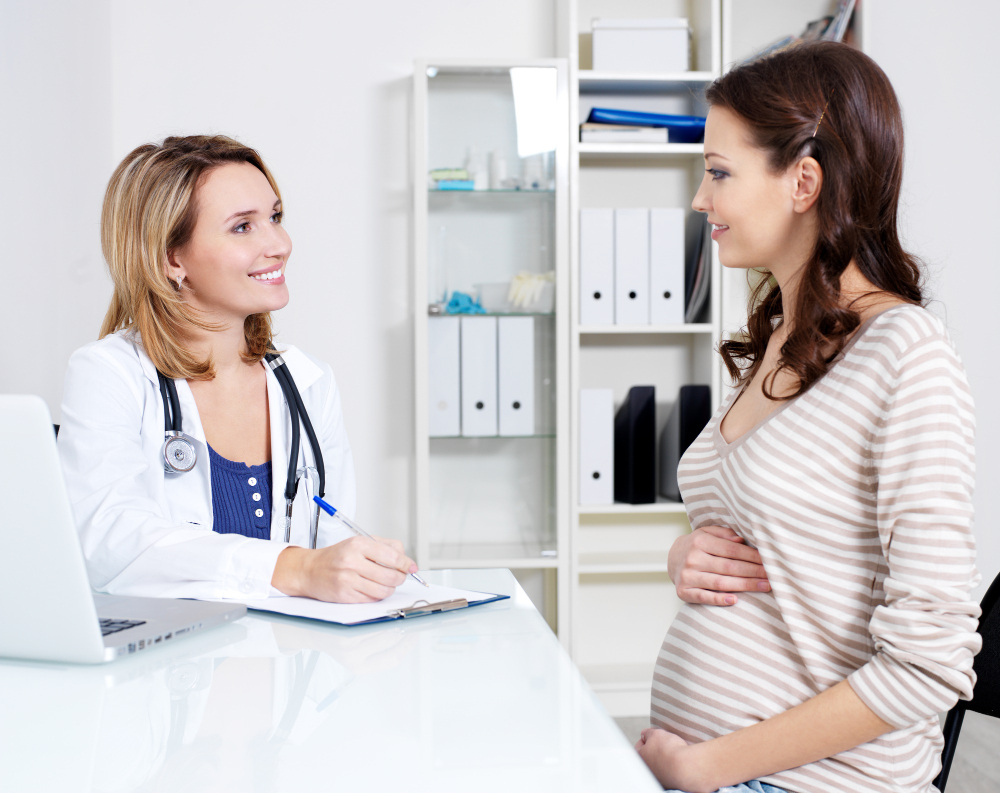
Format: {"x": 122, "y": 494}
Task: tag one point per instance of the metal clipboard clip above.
{"x": 428, "y": 608}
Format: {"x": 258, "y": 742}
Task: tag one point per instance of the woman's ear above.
{"x": 808, "y": 180}
{"x": 174, "y": 269}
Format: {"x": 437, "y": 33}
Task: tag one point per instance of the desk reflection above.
{"x": 482, "y": 700}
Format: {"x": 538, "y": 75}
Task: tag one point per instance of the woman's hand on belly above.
{"x": 669, "y": 758}
{"x": 357, "y": 570}
{"x": 711, "y": 563}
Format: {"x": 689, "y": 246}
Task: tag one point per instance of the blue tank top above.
{"x": 241, "y": 497}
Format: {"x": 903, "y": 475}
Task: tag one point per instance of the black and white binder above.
{"x": 597, "y": 442}
{"x": 597, "y": 266}
{"x": 635, "y": 447}
{"x": 690, "y": 414}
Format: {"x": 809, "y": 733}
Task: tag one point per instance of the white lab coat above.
{"x": 148, "y": 533}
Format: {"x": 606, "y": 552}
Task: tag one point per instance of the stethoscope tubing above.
{"x": 280, "y": 372}
{"x": 297, "y": 414}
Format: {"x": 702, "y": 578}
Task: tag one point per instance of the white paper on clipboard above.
{"x": 406, "y": 596}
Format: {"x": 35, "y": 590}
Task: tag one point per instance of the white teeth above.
{"x": 267, "y": 276}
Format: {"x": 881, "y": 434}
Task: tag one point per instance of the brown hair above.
{"x": 832, "y": 102}
{"x": 150, "y": 209}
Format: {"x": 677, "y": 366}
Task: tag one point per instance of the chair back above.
{"x": 986, "y": 694}
{"x": 986, "y": 697}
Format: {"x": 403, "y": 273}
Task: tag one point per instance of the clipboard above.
{"x": 410, "y": 600}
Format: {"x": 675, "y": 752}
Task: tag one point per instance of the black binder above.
{"x": 635, "y": 447}
{"x": 690, "y": 414}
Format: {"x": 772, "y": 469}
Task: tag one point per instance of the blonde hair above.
{"x": 150, "y": 209}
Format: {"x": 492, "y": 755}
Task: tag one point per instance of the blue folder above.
{"x": 681, "y": 129}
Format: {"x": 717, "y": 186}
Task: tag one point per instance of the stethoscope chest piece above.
{"x": 179, "y": 454}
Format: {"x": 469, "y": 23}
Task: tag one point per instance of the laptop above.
{"x": 48, "y": 610}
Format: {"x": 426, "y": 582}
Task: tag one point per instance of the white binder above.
{"x": 479, "y": 376}
{"x": 443, "y": 418}
{"x": 666, "y": 266}
{"x": 597, "y": 266}
{"x": 597, "y": 446}
{"x": 632, "y": 266}
{"x": 516, "y": 368}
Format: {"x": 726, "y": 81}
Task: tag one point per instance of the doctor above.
{"x": 191, "y": 231}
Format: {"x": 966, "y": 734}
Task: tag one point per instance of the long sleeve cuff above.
{"x": 251, "y": 568}
{"x": 902, "y": 694}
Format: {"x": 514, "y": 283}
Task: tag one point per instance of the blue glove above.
{"x": 462, "y": 303}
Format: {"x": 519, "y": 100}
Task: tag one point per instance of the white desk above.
{"x": 480, "y": 700}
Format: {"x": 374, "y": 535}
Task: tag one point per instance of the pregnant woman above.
{"x": 841, "y": 466}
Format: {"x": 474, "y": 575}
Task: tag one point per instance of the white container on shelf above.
{"x": 597, "y": 446}
{"x": 443, "y": 416}
{"x": 516, "y": 375}
{"x": 493, "y": 298}
{"x": 597, "y": 266}
{"x": 652, "y": 46}
{"x": 479, "y": 376}
{"x": 631, "y": 266}
{"x": 666, "y": 266}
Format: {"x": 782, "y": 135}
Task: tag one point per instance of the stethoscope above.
{"x": 180, "y": 456}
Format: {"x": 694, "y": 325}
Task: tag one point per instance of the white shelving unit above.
{"x": 621, "y": 597}
{"x": 494, "y": 501}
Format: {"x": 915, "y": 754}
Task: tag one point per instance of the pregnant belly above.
{"x": 722, "y": 669}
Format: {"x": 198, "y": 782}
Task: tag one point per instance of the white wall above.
{"x": 322, "y": 90}
{"x": 55, "y": 135}
{"x": 941, "y": 60}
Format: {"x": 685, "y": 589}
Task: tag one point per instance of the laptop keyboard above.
{"x": 109, "y": 626}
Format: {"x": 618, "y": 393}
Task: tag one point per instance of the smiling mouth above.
{"x": 270, "y": 275}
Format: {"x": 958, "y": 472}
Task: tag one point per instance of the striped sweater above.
{"x": 858, "y": 496}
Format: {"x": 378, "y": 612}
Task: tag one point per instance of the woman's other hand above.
{"x": 356, "y": 570}
{"x": 711, "y": 563}
{"x": 671, "y": 760}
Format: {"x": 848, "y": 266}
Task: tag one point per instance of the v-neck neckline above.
{"x": 724, "y": 447}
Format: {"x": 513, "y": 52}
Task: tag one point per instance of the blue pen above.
{"x": 335, "y": 513}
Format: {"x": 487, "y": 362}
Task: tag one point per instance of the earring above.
{"x": 180, "y": 282}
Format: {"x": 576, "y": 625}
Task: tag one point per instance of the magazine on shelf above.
{"x": 616, "y": 133}
{"x": 697, "y": 268}
{"x": 828, "y": 28}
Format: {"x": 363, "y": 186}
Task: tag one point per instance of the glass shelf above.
{"x": 498, "y": 314}
{"x": 488, "y": 437}
{"x": 490, "y": 192}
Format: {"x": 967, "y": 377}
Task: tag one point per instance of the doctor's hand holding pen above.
{"x": 355, "y": 570}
